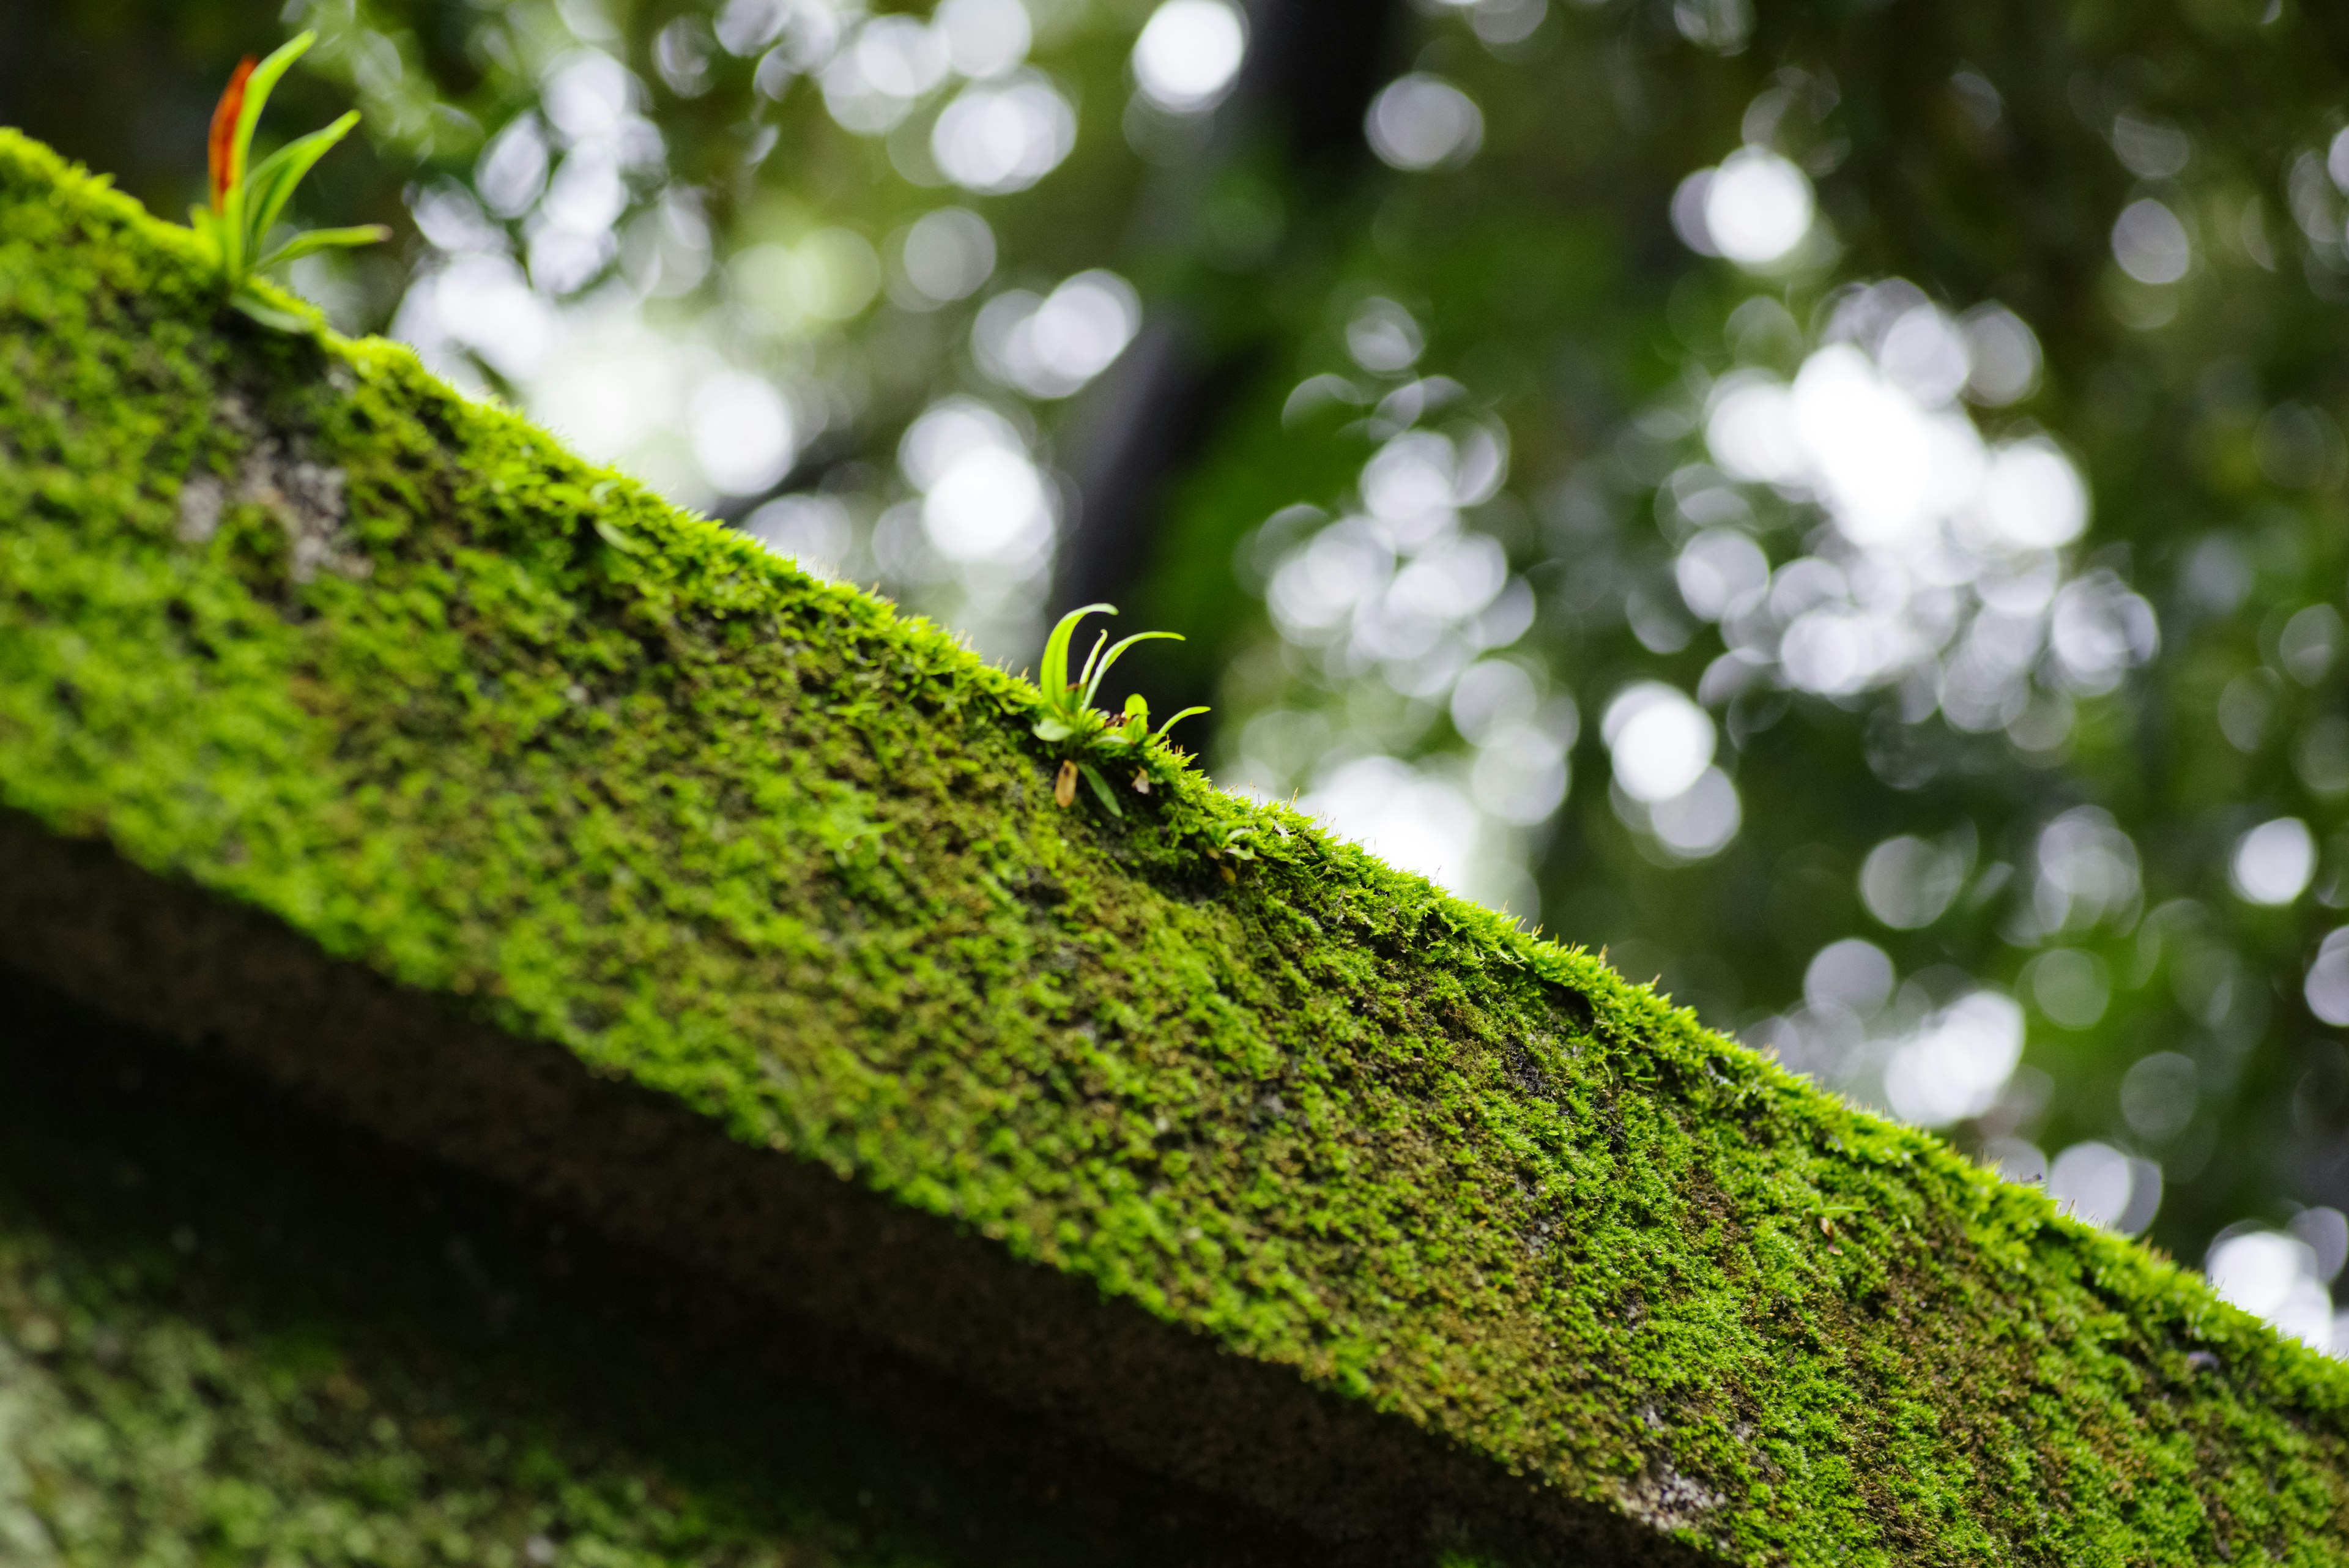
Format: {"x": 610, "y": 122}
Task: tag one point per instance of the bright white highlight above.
{"x": 1719, "y": 568}
{"x": 1422, "y": 121}
{"x": 2273, "y": 862}
{"x": 746, "y": 27}
{"x": 984, "y": 37}
{"x": 742, "y": 432}
{"x": 2273, "y": 1276}
{"x": 2150, "y": 243}
{"x": 1661, "y": 744}
{"x": 1751, "y": 430}
{"x": 1051, "y": 347}
{"x": 1188, "y": 54}
{"x": 1758, "y": 207}
{"x": 1852, "y": 974}
{"x": 2100, "y": 1185}
{"x": 1908, "y": 882}
{"x": 1700, "y": 820}
{"x": 1883, "y": 463}
{"x": 2032, "y": 496}
{"x": 671, "y": 413}
{"x": 484, "y": 303}
{"x": 2328, "y": 986}
{"x": 948, "y": 255}
{"x": 512, "y": 168}
{"x": 871, "y": 85}
{"x": 900, "y": 56}
{"x": 1384, "y": 337}
{"x": 996, "y": 137}
{"x": 2003, "y": 353}
{"x": 983, "y": 499}
{"x": 1403, "y": 816}
{"x": 588, "y": 94}
{"x": 1955, "y": 1065}
{"x": 1925, "y": 355}
{"x": 1946, "y": 557}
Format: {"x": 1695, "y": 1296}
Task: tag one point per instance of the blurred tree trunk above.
{"x": 1311, "y": 68}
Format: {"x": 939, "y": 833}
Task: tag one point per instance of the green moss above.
{"x": 179, "y": 1386}
{"x": 231, "y": 1333}
{"x": 137, "y": 1434}
{"x": 503, "y": 727}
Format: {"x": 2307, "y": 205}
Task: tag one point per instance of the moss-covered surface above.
{"x": 288, "y": 620}
{"x": 139, "y": 1430}
{"x": 232, "y": 1335}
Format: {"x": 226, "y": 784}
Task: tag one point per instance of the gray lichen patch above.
{"x": 202, "y": 500}
{"x": 1669, "y": 1501}
{"x": 304, "y": 497}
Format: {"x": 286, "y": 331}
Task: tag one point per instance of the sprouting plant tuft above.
{"x": 1228, "y": 842}
{"x": 1090, "y": 738}
{"x": 247, "y": 202}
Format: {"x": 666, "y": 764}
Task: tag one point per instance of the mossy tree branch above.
{"x": 285, "y": 621}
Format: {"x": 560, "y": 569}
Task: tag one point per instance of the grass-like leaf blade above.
{"x": 312, "y": 241}
{"x": 271, "y": 183}
{"x": 257, "y": 88}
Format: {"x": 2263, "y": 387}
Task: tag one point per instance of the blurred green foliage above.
{"x": 2031, "y": 775}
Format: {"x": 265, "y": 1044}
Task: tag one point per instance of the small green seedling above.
{"x": 247, "y": 204}
{"x": 1071, "y": 720}
{"x": 1226, "y": 841}
{"x": 1069, "y": 711}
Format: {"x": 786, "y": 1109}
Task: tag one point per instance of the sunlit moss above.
{"x": 292, "y": 621}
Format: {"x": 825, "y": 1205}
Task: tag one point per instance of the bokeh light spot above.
{"x": 743, "y": 433}
{"x": 996, "y": 137}
{"x": 2099, "y": 1185}
{"x": 1758, "y": 207}
{"x": 1954, "y": 1066}
{"x": 1422, "y": 121}
{"x": 2273, "y": 862}
{"x": 2273, "y": 1275}
{"x": 948, "y": 255}
{"x": 2150, "y": 243}
{"x": 1662, "y": 743}
{"x": 1188, "y": 54}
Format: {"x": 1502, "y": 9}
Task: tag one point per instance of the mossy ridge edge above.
{"x": 530, "y": 738}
